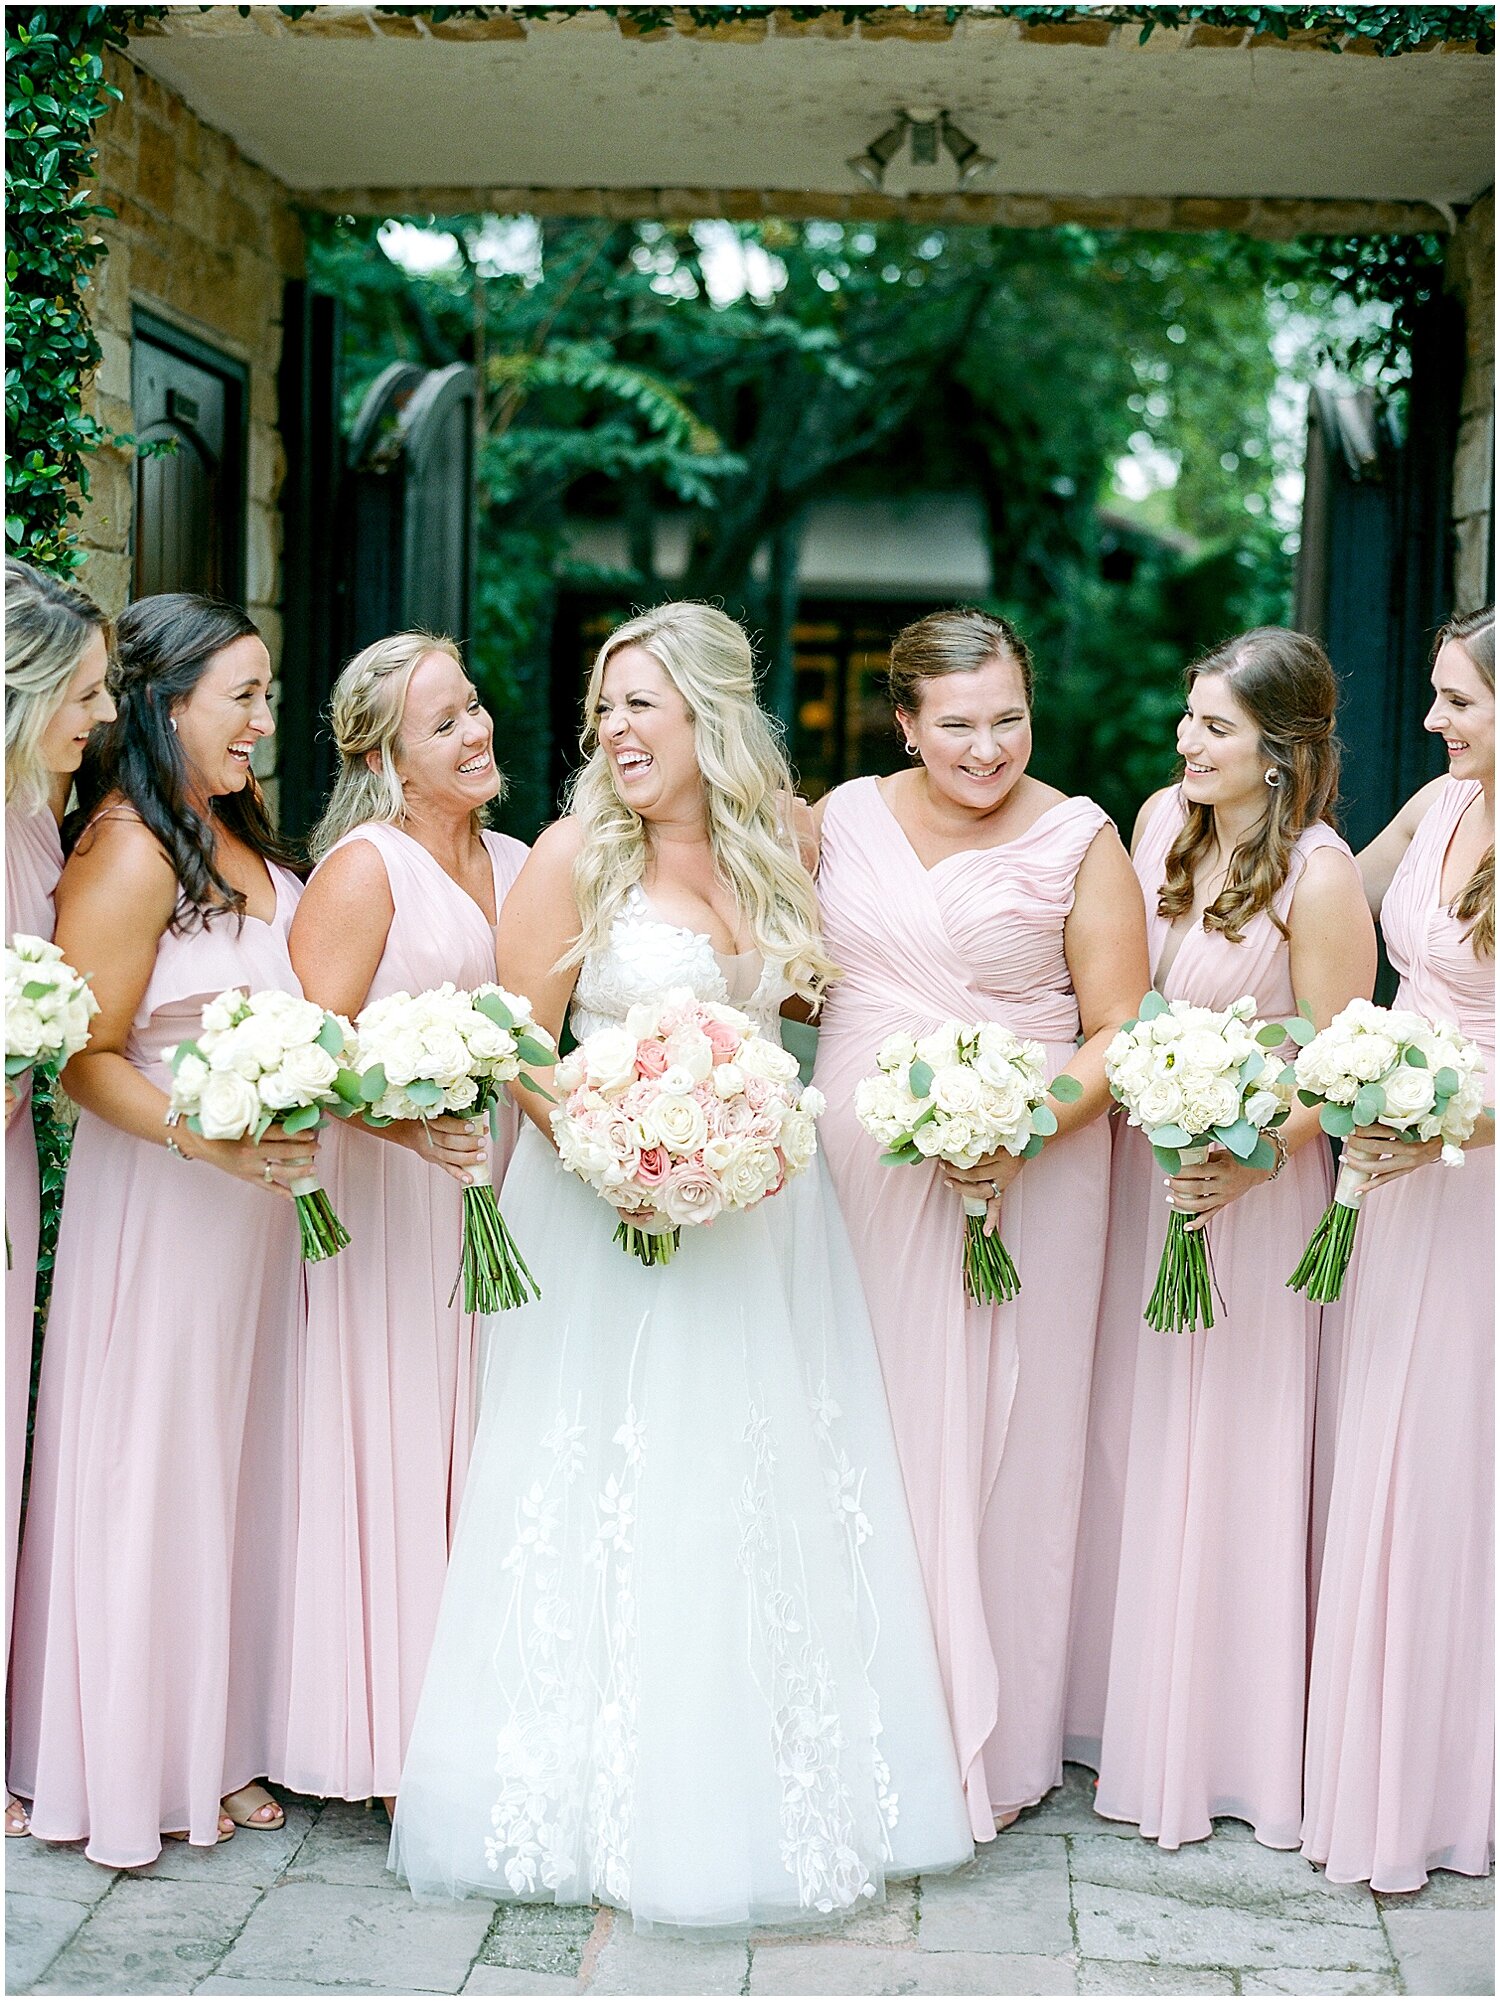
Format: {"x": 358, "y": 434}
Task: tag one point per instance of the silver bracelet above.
{"x": 1279, "y": 1147}
{"x": 172, "y": 1147}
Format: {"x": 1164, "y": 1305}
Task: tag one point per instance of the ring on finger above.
{"x": 266, "y": 1174}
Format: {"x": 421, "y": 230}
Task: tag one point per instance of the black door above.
{"x": 189, "y": 518}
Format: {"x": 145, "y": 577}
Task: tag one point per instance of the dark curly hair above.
{"x": 164, "y": 645}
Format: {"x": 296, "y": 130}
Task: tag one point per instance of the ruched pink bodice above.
{"x": 989, "y": 1404}
{"x": 1428, "y": 945}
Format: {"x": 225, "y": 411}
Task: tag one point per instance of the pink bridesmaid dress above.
{"x": 1401, "y": 1711}
{"x": 989, "y": 1404}
{"x": 387, "y": 1383}
{"x": 33, "y": 862}
{"x": 153, "y": 1606}
{"x": 1210, "y": 1437}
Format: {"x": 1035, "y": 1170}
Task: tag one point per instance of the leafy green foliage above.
{"x": 55, "y": 89}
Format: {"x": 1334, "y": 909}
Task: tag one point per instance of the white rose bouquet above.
{"x": 958, "y": 1095}
{"x": 48, "y": 1008}
{"x": 1191, "y": 1077}
{"x": 686, "y": 1110}
{"x": 264, "y": 1059}
{"x": 448, "y": 1050}
{"x": 1380, "y": 1066}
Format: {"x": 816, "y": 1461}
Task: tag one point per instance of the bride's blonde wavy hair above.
{"x": 1474, "y": 631}
{"x": 747, "y": 788}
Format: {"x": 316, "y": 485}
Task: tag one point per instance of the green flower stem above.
{"x": 990, "y": 1275}
{"x": 652, "y": 1247}
{"x": 323, "y": 1235}
{"x": 1325, "y": 1261}
{"x": 494, "y": 1274}
{"x": 1183, "y": 1298}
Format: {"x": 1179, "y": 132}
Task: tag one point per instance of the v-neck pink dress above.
{"x": 387, "y": 1382}
{"x": 989, "y": 1404}
{"x": 153, "y": 1605}
{"x": 1193, "y": 1572}
{"x": 1401, "y": 1712}
{"x": 33, "y": 862}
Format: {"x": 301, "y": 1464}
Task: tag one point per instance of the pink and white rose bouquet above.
{"x": 685, "y": 1110}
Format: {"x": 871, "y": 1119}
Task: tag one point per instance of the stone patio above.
{"x": 1064, "y": 1903}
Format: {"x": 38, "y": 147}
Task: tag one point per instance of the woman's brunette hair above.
{"x": 48, "y": 626}
{"x": 1474, "y": 631}
{"x": 1285, "y": 684}
{"x": 952, "y": 642}
{"x": 163, "y": 647}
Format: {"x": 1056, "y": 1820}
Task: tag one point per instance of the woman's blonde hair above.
{"x": 48, "y": 626}
{"x": 365, "y": 713}
{"x": 1285, "y": 684}
{"x": 747, "y": 787}
{"x": 1474, "y": 631}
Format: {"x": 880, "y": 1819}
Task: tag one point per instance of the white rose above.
{"x": 310, "y": 1069}
{"x": 279, "y": 1091}
{"x": 677, "y": 1123}
{"x": 799, "y": 1140}
{"x": 958, "y": 1140}
{"x": 570, "y": 1072}
{"x": 1159, "y": 1103}
{"x": 447, "y": 1058}
{"x": 1204, "y": 1050}
{"x": 928, "y": 1139}
{"x": 25, "y": 1034}
{"x": 690, "y": 1049}
{"x": 227, "y": 1105}
{"x": 1370, "y": 1056}
{"x": 896, "y": 1052}
{"x": 189, "y": 1077}
{"x": 1409, "y": 1094}
{"x": 812, "y": 1102}
{"x": 956, "y": 1090}
{"x": 487, "y": 1041}
{"x": 728, "y": 1080}
{"x": 1261, "y": 1107}
{"x": 746, "y": 1170}
{"x": 760, "y": 1058}
{"x": 583, "y": 1151}
{"x": 1222, "y": 1101}
{"x": 643, "y": 1022}
{"x": 610, "y": 1054}
{"x": 221, "y": 1014}
{"x": 676, "y": 1081}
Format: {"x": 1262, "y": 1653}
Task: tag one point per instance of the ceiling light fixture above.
{"x": 928, "y": 129}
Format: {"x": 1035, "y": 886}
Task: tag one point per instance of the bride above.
{"x": 683, "y": 1664}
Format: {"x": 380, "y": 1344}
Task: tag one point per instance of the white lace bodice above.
{"x": 646, "y": 956}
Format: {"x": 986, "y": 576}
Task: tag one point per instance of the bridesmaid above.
{"x": 153, "y": 1597}
{"x": 1250, "y": 890}
{"x": 965, "y": 888}
{"x": 1401, "y": 1718}
{"x": 56, "y": 661}
{"x": 407, "y": 894}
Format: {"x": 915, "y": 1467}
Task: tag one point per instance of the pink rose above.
{"x": 653, "y": 1166}
{"x": 758, "y": 1093}
{"x": 723, "y": 1039}
{"x": 650, "y": 1059}
{"x": 691, "y": 1195}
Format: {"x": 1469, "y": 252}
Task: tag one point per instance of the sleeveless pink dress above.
{"x": 33, "y": 862}
{"x": 1194, "y": 1572}
{"x": 153, "y": 1606}
{"x": 989, "y": 1404}
{"x": 1401, "y": 1715}
{"x": 387, "y": 1383}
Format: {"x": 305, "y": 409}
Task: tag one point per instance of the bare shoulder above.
{"x": 1328, "y": 889}
{"x": 1143, "y": 818}
{"x": 357, "y": 869}
{"x": 1420, "y": 804}
{"x": 117, "y": 848}
{"x": 556, "y": 848}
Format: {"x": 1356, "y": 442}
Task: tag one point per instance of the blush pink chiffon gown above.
{"x": 1194, "y": 1545}
{"x": 1401, "y": 1712}
{"x": 153, "y": 1605}
{"x": 387, "y": 1383}
{"x": 33, "y": 862}
{"x": 989, "y": 1404}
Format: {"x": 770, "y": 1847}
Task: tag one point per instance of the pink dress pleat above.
{"x": 387, "y": 1383}
{"x": 1201, "y": 1455}
{"x": 989, "y": 1404}
{"x": 153, "y": 1604}
{"x": 1401, "y": 1715}
{"x": 33, "y": 862}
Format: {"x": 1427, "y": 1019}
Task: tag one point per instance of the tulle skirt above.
{"x": 683, "y": 1663}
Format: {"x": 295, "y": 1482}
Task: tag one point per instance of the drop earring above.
{"x": 911, "y": 750}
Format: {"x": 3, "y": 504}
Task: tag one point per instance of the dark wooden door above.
{"x": 189, "y": 517}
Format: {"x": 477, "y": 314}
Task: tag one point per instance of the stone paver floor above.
{"x": 1061, "y": 1904}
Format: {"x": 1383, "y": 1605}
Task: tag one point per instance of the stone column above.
{"x": 1471, "y": 273}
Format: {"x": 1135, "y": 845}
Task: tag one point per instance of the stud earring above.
{"x": 172, "y": 720}
{"x": 1273, "y": 776}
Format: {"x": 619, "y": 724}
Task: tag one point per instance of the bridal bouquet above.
{"x": 269, "y": 1059}
{"x": 1189, "y": 1076}
{"x": 1380, "y": 1066}
{"x": 686, "y": 1110}
{"x": 958, "y": 1095}
{"x": 451, "y": 1051}
{"x": 48, "y": 1008}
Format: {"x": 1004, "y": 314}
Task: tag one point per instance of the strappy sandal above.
{"x": 17, "y": 1819}
{"x": 253, "y": 1816}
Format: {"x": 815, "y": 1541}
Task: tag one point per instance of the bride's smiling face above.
{"x": 646, "y": 732}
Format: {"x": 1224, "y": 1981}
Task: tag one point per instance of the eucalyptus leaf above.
{"x": 919, "y": 1078}
{"x": 1337, "y": 1120}
{"x": 1171, "y": 1137}
{"x": 1301, "y": 1032}
{"x": 1271, "y": 1034}
{"x": 1168, "y": 1159}
{"x": 1043, "y": 1122}
{"x": 372, "y": 1083}
{"x": 1241, "y": 1138}
{"x": 530, "y": 1084}
{"x": 1446, "y": 1082}
{"x": 1065, "y": 1088}
{"x": 1153, "y": 1005}
{"x": 1417, "y": 1058}
{"x": 531, "y": 1051}
{"x": 1369, "y": 1103}
{"x": 301, "y": 1119}
{"x": 1263, "y": 1158}
{"x": 331, "y": 1036}
{"x": 495, "y": 1008}
{"x": 422, "y": 1091}
{"x": 1033, "y": 1147}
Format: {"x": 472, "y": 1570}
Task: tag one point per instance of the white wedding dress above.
{"x": 684, "y": 1662}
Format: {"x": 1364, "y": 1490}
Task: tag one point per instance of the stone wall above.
{"x": 204, "y": 239}
{"x": 1471, "y": 267}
